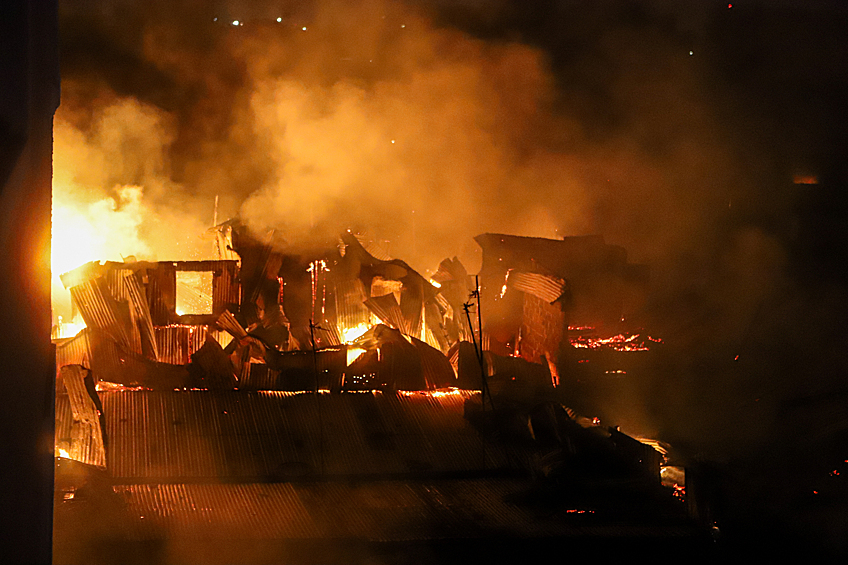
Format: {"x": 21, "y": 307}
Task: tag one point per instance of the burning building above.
{"x": 333, "y": 402}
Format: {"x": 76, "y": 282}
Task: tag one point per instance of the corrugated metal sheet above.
{"x": 74, "y": 351}
{"x": 374, "y": 511}
{"x": 176, "y": 343}
{"x": 239, "y": 435}
{"x": 433, "y": 327}
{"x": 545, "y": 287}
{"x": 379, "y": 249}
{"x": 126, "y": 289}
{"x": 114, "y": 305}
{"x": 435, "y": 367}
{"x": 100, "y": 311}
{"x": 162, "y": 292}
{"x": 411, "y": 305}
{"x": 226, "y": 287}
{"x": 380, "y": 511}
{"x": 142, "y": 321}
{"x": 350, "y": 311}
{"x": 85, "y": 432}
{"x": 387, "y": 309}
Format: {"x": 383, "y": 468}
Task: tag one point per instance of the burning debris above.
{"x": 280, "y": 364}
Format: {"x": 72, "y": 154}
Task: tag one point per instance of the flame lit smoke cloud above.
{"x": 374, "y": 112}
{"x": 375, "y": 117}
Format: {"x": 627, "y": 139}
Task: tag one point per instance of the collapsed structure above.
{"x": 275, "y": 366}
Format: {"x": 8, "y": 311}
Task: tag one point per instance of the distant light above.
{"x": 279, "y": 20}
{"x": 393, "y": 141}
{"x": 691, "y": 52}
{"x": 304, "y": 28}
{"x": 730, "y": 5}
{"x": 214, "y": 19}
{"x": 235, "y": 22}
{"x": 402, "y": 25}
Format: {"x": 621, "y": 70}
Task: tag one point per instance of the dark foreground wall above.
{"x": 29, "y": 95}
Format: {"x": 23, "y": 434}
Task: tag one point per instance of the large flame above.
{"x": 91, "y": 229}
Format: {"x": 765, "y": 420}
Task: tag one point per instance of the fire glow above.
{"x": 620, "y": 342}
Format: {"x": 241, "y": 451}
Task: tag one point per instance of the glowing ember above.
{"x": 674, "y": 477}
{"x": 442, "y": 392}
{"x": 620, "y": 342}
{"x": 506, "y": 281}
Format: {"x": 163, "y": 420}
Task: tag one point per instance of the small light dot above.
{"x": 214, "y": 19}
{"x": 235, "y": 22}
{"x": 279, "y": 20}
{"x": 393, "y": 141}
{"x": 402, "y": 25}
{"x": 304, "y": 28}
{"x": 691, "y": 52}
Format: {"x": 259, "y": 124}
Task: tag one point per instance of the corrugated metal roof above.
{"x": 378, "y": 511}
{"x": 374, "y": 511}
{"x": 274, "y": 435}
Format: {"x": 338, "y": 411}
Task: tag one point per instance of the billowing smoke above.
{"x": 426, "y": 123}
{"x": 373, "y": 117}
